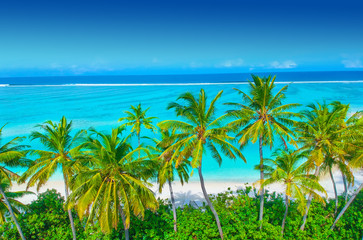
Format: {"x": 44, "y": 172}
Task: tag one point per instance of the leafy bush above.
{"x": 238, "y": 212}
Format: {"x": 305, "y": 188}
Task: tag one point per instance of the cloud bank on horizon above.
{"x": 92, "y": 37}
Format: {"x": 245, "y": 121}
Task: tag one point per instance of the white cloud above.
{"x": 231, "y": 63}
{"x": 282, "y": 65}
{"x": 352, "y": 63}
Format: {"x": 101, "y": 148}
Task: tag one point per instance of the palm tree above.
{"x": 10, "y": 156}
{"x": 286, "y": 170}
{"x": 168, "y": 169}
{"x": 61, "y": 152}
{"x": 346, "y": 131}
{"x": 262, "y": 116}
{"x": 115, "y": 184}
{"x": 199, "y": 131}
{"x": 357, "y": 158}
{"x": 137, "y": 119}
{"x": 321, "y": 135}
{"x": 11, "y": 197}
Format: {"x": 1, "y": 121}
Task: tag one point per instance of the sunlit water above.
{"x": 100, "y": 106}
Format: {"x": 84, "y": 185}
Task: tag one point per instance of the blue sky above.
{"x": 41, "y": 38}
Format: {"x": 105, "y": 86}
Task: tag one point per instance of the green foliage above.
{"x": 137, "y": 119}
{"x": 109, "y": 182}
{"x": 46, "y": 219}
{"x": 116, "y": 183}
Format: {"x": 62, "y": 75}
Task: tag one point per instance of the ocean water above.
{"x": 100, "y": 101}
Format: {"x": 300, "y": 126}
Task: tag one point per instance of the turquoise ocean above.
{"x": 99, "y": 101}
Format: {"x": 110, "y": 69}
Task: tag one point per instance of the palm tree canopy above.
{"x": 116, "y": 181}
{"x": 289, "y": 170}
{"x": 11, "y": 196}
{"x": 60, "y": 151}
{"x": 199, "y": 130}
{"x": 329, "y": 137}
{"x": 356, "y": 153}
{"x": 11, "y": 155}
{"x": 137, "y": 118}
{"x": 262, "y": 114}
{"x": 167, "y": 168}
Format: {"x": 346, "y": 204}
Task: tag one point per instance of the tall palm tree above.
{"x": 321, "y": 135}
{"x": 262, "y": 116}
{"x": 286, "y": 170}
{"x": 137, "y": 119}
{"x": 115, "y": 184}
{"x": 167, "y": 169}
{"x": 346, "y": 133}
{"x": 357, "y": 158}
{"x": 17, "y": 206}
{"x": 200, "y": 130}
{"x": 61, "y": 151}
{"x": 11, "y": 155}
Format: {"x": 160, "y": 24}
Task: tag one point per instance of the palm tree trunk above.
{"x": 138, "y": 142}
{"x": 262, "y": 193}
{"x": 208, "y": 200}
{"x": 138, "y": 139}
{"x": 12, "y": 214}
{"x": 286, "y": 210}
{"x": 346, "y": 206}
{"x": 335, "y": 192}
{"x": 127, "y": 232}
{"x": 173, "y": 204}
{"x": 69, "y": 211}
{"x": 345, "y": 187}
{"x": 346, "y": 195}
{"x": 309, "y": 202}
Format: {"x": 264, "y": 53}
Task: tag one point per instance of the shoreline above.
{"x": 192, "y": 192}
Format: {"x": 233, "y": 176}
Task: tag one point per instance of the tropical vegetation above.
{"x": 109, "y": 182}
{"x": 292, "y": 176}
{"x": 200, "y": 130}
{"x": 262, "y": 117}
{"x": 114, "y": 185}
{"x": 11, "y": 154}
{"x": 167, "y": 170}
{"x": 61, "y": 151}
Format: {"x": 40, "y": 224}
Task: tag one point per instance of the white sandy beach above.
{"x": 192, "y": 190}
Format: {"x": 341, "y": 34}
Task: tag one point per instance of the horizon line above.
{"x": 276, "y": 71}
{"x": 167, "y": 84}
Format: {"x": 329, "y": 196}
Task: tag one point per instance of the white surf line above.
{"x": 167, "y": 84}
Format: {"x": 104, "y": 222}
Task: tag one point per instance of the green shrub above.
{"x": 238, "y": 212}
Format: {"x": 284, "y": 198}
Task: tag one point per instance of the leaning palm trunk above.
{"x": 335, "y": 192}
{"x": 69, "y": 210}
{"x": 309, "y": 202}
{"x": 261, "y": 178}
{"x": 127, "y": 232}
{"x": 173, "y": 205}
{"x": 208, "y": 200}
{"x": 12, "y": 214}
{"x": 346, "y": 206}
{"x": 286, "y": 210}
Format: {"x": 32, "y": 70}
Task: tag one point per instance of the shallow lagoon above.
{"x": 22, "y": 107}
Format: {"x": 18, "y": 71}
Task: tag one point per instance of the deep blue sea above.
{"x": 99, "y": 101}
